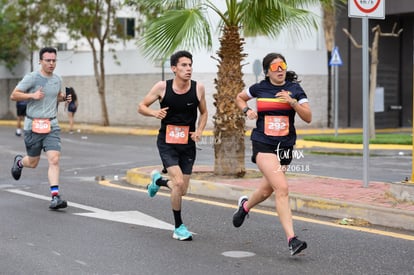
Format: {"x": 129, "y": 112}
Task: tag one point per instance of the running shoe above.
{"x": 296, "y": 246}
{"x": 16, "y": 171}
{"x": 240, "y": 214}
{"x": 57, "y": 203}
{"x": 153, "y": 187}
{"x": 182, "y": 234}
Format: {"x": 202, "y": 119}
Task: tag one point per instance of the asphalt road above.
{"x": 120, "y": 230}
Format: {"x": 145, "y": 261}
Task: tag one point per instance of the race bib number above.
{"x": 41, "y": 125}
{"x": 177, "y": 134}
{"x": 276, "y": 126}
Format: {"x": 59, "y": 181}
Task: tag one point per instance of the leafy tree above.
{"x": 185, "y": 24}
{"x": 95, "y": 21}
{"x": 25, "y": 26}
{"x": 10, "y": 31}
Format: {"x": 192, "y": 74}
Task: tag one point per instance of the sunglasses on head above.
{"x": 274, "y": 67}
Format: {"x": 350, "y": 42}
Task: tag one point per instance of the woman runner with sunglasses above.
{"x": 279, "y": 98}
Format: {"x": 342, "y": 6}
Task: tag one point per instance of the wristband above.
{"x": 245, "y": 109}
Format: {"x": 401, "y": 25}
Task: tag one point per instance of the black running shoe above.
{"x": 57, "y": 203}
{"x": 296, "y": 246}
{"x": 16, "y": 171}
{"x": 240, "y": 214}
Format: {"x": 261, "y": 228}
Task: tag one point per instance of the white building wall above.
{"x": 127, "y": 83}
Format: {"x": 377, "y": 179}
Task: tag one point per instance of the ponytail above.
{"x": 291, "y": 76}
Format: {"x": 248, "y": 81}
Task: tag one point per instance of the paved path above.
{"x": 387, "y": 204}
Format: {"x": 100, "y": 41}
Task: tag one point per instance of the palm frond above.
{"x": 187, "y": 29}
{"x": 270, "y": 17}
{"x": 165, "y": 4}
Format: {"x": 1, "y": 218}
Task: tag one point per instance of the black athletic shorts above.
{"x": 182, "y": 155}
{"x": 21, "y": 110}
{"x": 284, "y": 154}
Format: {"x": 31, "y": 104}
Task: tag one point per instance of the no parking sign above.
{"x": 366, "y": 8}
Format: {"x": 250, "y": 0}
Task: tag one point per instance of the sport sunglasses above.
{"x": 274, "y": 67}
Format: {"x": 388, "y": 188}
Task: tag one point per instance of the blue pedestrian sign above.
{"x": 336, "y": 58}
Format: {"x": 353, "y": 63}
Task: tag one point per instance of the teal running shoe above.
{"x": 182, "y": 234}
{"x": 153, "y": 187}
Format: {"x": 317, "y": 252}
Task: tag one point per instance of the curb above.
{"x": 304, "y": 204}
{"x": 338, "y": 209}
{"x": 300, "y": 143}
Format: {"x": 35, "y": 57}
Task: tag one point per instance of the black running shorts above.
{"x": 182, "y": 155}
{"x": 284, "y": 154}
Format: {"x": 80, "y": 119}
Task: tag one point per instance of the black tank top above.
{"x": 182, "y": 108}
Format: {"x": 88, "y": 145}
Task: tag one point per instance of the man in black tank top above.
{"x": 180, "y": 101}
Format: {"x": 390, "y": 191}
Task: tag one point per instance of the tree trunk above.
{"x": 99, "y": 72}
{"x": 101, "y": 91}
{"x": 329, "y": 25}
{"x": 329, "y": 124}
{"x": 373, "y": 71}
{"x": 229, "y": 121}
{"x": 102, "y": 85}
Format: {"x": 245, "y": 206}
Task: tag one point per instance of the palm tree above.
{"x": 184, "y": 24}
{"x": 329, "y": 8}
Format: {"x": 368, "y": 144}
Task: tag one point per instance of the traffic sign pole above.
{"x": 335, "y": 62}
{"x": 336, "y": 100}
{"x": 365, "y": 100}
{"x": 366, "y": 9}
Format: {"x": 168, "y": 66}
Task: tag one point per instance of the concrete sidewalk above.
{"x": 343, "y": 199}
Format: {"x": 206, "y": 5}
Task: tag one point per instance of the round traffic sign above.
{"x": 367, "y": 6}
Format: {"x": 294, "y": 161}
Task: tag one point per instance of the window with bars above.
{"x": 126, "y": 27}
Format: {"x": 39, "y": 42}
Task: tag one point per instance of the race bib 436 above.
{"x": 177, "y": 134}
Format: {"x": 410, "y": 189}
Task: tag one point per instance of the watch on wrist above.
{"x": 245, "y": 109}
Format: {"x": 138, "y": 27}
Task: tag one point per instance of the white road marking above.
{"x": 98, "y": 166}
{"x": 129, "y": 217}
{"x": 81, "y": 262}
{"x": 238, "y": 254}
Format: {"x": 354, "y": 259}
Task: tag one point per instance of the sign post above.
{"x": 335, "y": 62}
{"x": 366, "y": 9}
